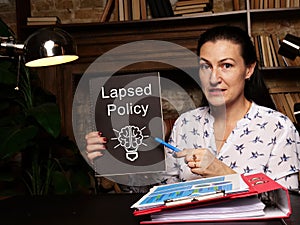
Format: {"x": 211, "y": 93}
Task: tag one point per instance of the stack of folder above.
{"x": 230, "y": 197}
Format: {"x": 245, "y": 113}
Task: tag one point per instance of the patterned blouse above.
{"x": 263, "y": 141}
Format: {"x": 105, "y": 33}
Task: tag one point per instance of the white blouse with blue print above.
{"x": 263, "y": 141}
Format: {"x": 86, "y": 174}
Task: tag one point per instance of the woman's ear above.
{"x": 250, "y": 70}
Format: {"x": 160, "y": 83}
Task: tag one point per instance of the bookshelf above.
{"x": 94, "y": 39}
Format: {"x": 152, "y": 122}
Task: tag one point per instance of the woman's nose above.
{"x": 215, "y": 76}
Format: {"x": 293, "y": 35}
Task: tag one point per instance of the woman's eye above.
{"x": 227, "y": 65}
{"x": 204, "y": 66}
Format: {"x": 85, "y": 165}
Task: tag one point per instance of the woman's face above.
{"x": 223, "y": 72}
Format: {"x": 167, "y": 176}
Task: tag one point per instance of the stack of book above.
{"x": 192, "y": 7}
{"x": 131, "y": 9}
{"x": 125, "y": 10}
{"x": 285, "y": 98}
{"x": 43, "y": 20}
{"x": 269, "y": 4}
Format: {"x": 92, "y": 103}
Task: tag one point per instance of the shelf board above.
{"x": 272, "y": 10}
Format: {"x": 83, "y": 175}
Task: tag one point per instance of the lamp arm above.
{"x": 12, "y": 45}
{"x": 8, "y": 47}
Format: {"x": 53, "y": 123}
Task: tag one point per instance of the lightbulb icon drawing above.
{"x": 130, "y": 138}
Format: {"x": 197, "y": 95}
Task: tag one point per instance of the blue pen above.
{"x": 167, "y": 145}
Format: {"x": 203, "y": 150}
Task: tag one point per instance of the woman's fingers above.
{"x": 94, "y": 140}
{"x": 182, "y": 153}
{"x": 94, "y": 144}
{"x": 93, "y": 134}
{"x": 92, "y": 155}
{"x": 95, "y": 147}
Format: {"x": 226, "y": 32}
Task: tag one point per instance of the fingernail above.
{"x": 99, "y": 133}
{"x": 105, "y": 139}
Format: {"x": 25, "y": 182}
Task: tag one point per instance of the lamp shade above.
{"x": 49, "y": 46}
{"x": 290, "y": 46}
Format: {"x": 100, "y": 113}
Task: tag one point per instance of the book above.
{"x": 269, "y": 52}
{"x": 116, "y": 10}
{"x": 121, "y": 10}
{"x": 192, "y": 2}
{"x": 153, "y": 8}
{"x": 291, "y": 103}
{"x": 130, "y": 107}
{"x": 190, "y": 6}
{"x": 136, "y": 13}
{"x": 195, "y": 9}
{"x": 255, "y": 4}
{"x": 236, "y": 5}
{"x": 258, "y": 47}
{"x": 263, "y": 50}
{"x": 107, "y": 11}
{"x": 277, "y": 4}
{"x": 285, "y": 104}
{"x": 40, "y": 23}
{"x": 277, "y": 102}
{"x": 196, "y": 14}
{"x": 275, "y": 42}
{"x": 160, "y": 8}
{"x": 168, "y": 10}
{"x": 130, "y": 9}
{"x": 273, "y": 52}
{"x": 127, "y": 10}
{"x": 255, "y": 41}
{"x": 143, "y": 5}
{"x": 44, "y": 20}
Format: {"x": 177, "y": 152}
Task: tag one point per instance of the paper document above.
{"x": 160, "y": 195}
{"x": 237, "y": 208}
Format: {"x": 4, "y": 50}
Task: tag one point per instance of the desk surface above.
{"x": 108, "y": 209}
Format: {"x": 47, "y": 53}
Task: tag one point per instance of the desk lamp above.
{"x": 290, "y": 46}
{"x": 45, "y": 47}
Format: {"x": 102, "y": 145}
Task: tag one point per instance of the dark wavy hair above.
{"x": 255, "y": 87}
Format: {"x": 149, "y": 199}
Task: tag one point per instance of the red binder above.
{"x": 259, "y": 185}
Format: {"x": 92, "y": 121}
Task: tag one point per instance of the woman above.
{"x": 233, "y": 133}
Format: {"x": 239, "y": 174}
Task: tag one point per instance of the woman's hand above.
{"x": 95, "y": 143}
{"x": 203, "y": 162}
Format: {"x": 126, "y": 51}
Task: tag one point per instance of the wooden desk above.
{"x": 109, "y": 209}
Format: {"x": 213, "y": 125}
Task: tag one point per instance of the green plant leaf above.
{"x": 60, "y": 183}
{"x": 80, "y": 180}
{"x": 5, "y": 30}
{"x": 6, "y": 176}
{"x": 7, "y": 75}
{"x": 15, "y": 139}
{"x": 48, "y": 116}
